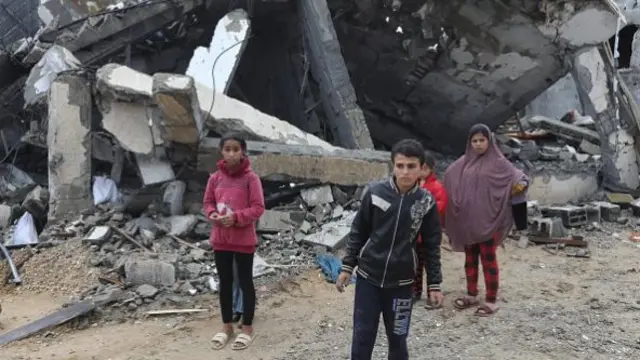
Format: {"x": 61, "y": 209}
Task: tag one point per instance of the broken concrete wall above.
{"x": 56, "y": 60}
{"x": 69, "y": 143}
{"x": 499, "y": 62}
{"x": 344, "y": 116}
{"x": 593, "y": 76}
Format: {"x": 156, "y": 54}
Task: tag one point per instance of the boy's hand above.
{"x": 343, "y": 281}
{"x": 436, "y": 298}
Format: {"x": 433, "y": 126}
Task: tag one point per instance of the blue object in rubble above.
{"x": 330, "y": 266}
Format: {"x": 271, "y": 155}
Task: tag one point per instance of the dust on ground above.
{"x": 552, "y": 307}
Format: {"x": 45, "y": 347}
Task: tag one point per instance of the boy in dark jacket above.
{"x": 382, "y": 245}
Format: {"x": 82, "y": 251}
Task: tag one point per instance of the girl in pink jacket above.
{"x": 233, "y": 202}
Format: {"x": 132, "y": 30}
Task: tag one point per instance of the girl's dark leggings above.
{"x": 224, "y": 265}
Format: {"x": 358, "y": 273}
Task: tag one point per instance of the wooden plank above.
{"x": 57, "y": 318}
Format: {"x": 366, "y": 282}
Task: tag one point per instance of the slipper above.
{"x": 485, "y": 311}
{"x": 242, "y": 341}
{"x": 220, "y": 340}
{"x": 463, "y": 303}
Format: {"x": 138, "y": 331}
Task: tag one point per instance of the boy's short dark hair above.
{"x": 429, "y": 160}
{"x": 233, "y": 136}
{"x": 409, "y": 148}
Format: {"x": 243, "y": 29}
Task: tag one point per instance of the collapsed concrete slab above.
{"x": 557, "y": 100}
{"x": 120, "y": 82}
{"x": 564, "y": 130}
{"x": 69, "y": 143}
{"x": 56, "y": 60}
{"x": 346, "y": 119}
{"x": 155, "y": 168}
{"x": 100, "y": 36}
{"x": 228, "y": 114}
{"x": 221, "y": 58}
{"x": 177, "y": 99}
{"x": 332, "y": 235}
{"x": 281, "y": 162}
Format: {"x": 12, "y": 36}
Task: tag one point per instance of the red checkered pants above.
{"x": 486, "y": 253}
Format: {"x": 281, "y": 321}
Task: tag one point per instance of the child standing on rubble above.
{"x": 481, "y": 185}
{"x": 381, "y": 250}
{"x": 431, "y": 184}
{"x": 233, "y": 202}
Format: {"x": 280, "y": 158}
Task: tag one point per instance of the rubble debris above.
{"x": 57, "y": 318}
{"x": 172, "y": 199}
{"x": 54, "y": 61}
{"x": 332, "y": 235}
{"x": 154, "y": 169}
{"x": 324, "y": 53}
{"x": 98, "y": 235}
{"x": 154, "y": 272}
{"x": 221, "y": 58}
{"x": 181, "y": 119}
{"x": 282, "y": 162}
{"x": 275, "y": 221}
{"x": 317, "y": 196}
{"x": 13, "y": 181}
{"x": 69, "y": 143}
{"x": 567, "y": 131}
{"x": 608, "y": 211}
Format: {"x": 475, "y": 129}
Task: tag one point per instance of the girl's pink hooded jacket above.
{"x": 238, "y": 192}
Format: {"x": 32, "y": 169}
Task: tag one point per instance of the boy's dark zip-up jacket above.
{"x": 382, "y": 241}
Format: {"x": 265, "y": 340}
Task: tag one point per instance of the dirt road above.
{"x": 553, "y": 307}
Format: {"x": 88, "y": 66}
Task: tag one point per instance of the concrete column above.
{"x": 69, "y": 142}
{"x": 346, "y": 119}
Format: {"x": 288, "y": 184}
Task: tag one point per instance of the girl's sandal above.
{"x": 463, "y": 303}
{"x": 485, "y": 311}
{"x": 242, "y": 341}
{"x": 220, "y": 340}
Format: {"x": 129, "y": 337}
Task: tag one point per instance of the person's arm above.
{"x": 360, "y": 231}
{"x": 245, "y": 217}
{"x": 441, "y": 200}
{"x": 431, "y": 235}
{"x": 209, "y": 201}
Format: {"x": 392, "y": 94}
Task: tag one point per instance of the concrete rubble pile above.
{"x": 128, "y": 158}
{"x": 130, "y": 125}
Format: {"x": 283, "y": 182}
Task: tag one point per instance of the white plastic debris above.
{"x": 25, "y": 231}
{"x": 56, "y": 60}
{"x": 105, "y": 190}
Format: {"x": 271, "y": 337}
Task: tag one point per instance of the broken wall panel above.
{"x": 329, "y": 69}
{"x": 69, "y": 143}
{"x": 223, "y": 55}
{"x": 281, "y": 162}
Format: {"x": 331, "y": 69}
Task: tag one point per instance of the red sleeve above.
{"x": 209, "y": 201}
{"x": 441, "y": 199}
{"x": 251, "y": 214}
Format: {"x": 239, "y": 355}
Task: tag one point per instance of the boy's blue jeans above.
{"x": 237, "y": 293}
